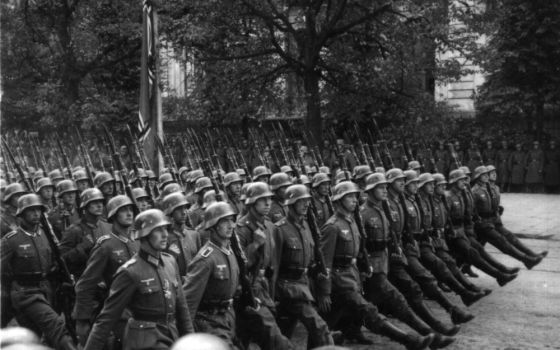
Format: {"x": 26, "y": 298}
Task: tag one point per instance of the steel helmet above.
{"x": 89, "y": 195}
{"x": 286, "y": 169}
{"x": 480, "y": 170}
{"x": 164, "y": 179}
{"x": 195, "y": 175}
{"x": 278, "y": 180}
{"x": 439, "y": 179}
{"x": 44, "y": 182}
{"x": 256, "y": 191}
{"x": 491, "y": 168}
{"x": 231, "y": 177}
{"x": 380, "y": 169}
{"x": 201, "y": 184}
{"x": 375, "y": 179}
{"x": 182, "y": 170}
{"x": 210, "y": 197}
{"x": 30, "y": 200}
{"x": 36, "y": 177}
{"x": 361, "y": 171}
{"x": 456, "y": 175}
{"x": 394, "y": 174}
{"x": 3, "y": 183}
{"x": 311, "y": 169}
{"x": 217, "y": 173}
{"x": 116, "y": 203}
{"x": 344, "y": 188}
{"x": 295, "y": 193}
{"x": 342, "y": 176}
{"x": 66, "y": 186}
{"x": 241, "y": 172}
{"x": 141, "y": 175}
{"x": 304, "y": 180}
{"x": 80, "y": 175}
{"x": 173, "y": 201}
{"x": 12, "y": 189}
{"x": 260, "y": 170}
{"x": 215, "y": 212}
{"x": 465, "y": 170}
{"x": 244, "y": 188}
{"x": 171, "y": 188}
{"x": 411, "y": 176}
{"x": 325, "y": 170}
{"x": 56, "y": 175}
{"x": 425, "y": 178}
{"x": 413, "y": 165}
{"x": 139, "y": 193}
{"x": 151, "y": 175}
{"x": 320, "y": 178}
{"x": 102, "y": 178}
{"x": 149, "y": 220}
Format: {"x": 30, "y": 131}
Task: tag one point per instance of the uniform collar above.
{"x": 178, "y": 229}
{"x": 226, "y": 251}
{"x": 374, "y": 204}
{"x": 256, "y": 218}
{"x": 153, "y": 258}
{"x": 31, "y": 234}
{"x": 120, "y": 237}
{"x": 348, "y": 217}
{"x": 295, "y": 220}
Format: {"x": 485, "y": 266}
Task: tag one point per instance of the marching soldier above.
{"x": 183, "y": 243}
{"x": 82, "y": 180}
{"x": 108, "y": 254}
{"x": 213, "y": 277}
{"x": 28, "y": 267}
{"x": 462, "y": 242}
{"x": 55, "y": 176}
{"x": 66, "y": 213}
{"x": 279, "y": 182}
{"x": 148, "y": 285}
{"x": 232, "y": 184}
{"x": 142, "y": 198}
{"x": 378, "y": 289}
{"x": 9, "y": 221}
{"x": 45, "y": 190}
{"x": 321, "y": 188}
{"x": 294, "y": 249}
{"x": 261, "y": 174}
{"x": 106, "y": 184}
{"x": 413, "y": 281}
{"x": 196, "y": 212}
{"x": 341, "y": 294}
{"x": 255, "y": 236}
{"x": 486, "y": 228}
{"x": 78, "y": 240}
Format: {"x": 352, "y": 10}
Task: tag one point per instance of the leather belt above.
{"x": 343, "y": 261}
{"x": 167, "y": 318}
{"x": 292, "y": 273}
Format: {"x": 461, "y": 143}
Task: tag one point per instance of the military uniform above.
{"x": 196, "y": 215}
{"x": 183, "y": 244}
{"x": 323, "y": 212}
{"x": 9, "y": 221}
{"x": 535, "y": 164}
{"x": 236, "y": 204}
{"x": 108, "y": 254}
{"x": 277, "y": 210}
{"x": 27, "y": 269}
{"x": 294, "y": 246}
{"x": 77, "y": 242}
{"x": 210, "y": 286}
{"x": 148, "y": 285}
{"x": 502, "y": 166}
{"x": 62, "y": 217}
{"x": 551, "y": 170}
{"x": 260, "y": 325}
{"x": 517, "y": 163}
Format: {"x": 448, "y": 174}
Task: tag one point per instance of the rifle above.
{"x": 170, "y": 161}
{"x": 387, "y": 155}
{"x": 431, "y": 157}
{"x": 122, "y": 170}
{"x": 65, "y": 291}
{"x": 42, "y": 160}
{"x": 6, "y": 168}
{"x": 64, "y": 157}
{"x": 33, "y": 152}
{"x": 454, "y": 156}
{"x": 247, "y": 297}
{"x": 85, "y": 155}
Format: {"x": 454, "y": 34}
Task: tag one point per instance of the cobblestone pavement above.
{"x": 524, "y": 314}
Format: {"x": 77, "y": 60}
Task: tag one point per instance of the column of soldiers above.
{"x": 124, "y": 259}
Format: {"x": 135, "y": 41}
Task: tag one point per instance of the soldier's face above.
{"x": 224, "y": 227}
{"x": 264, "y": 178}
{"x": 281, "y": 192}
{"x": 428, "y": 188}
{"x": 398, "y": 185}
{"x": 412, "y": 187}
{"x": 440, "y": 189}
{"x": 301, "y": 206}
{"x": 461, "y": 184}
{"x": 380, "y": 192}
{"x": 32, "y": 215}
{"x": 262, "y": 205}
{"x": 493, "y": 175}
{"x": 349, "y": 202}
{"x": 158, "y": 238}
{"x": 235, "y": 188}
{"x": 323, "y": 189}
{"x": 95, "y": 208}
{"x": 107, "y": 189}
{"x": 46, "y": 192}
{"x": 180, "y": 215}
{"x": 484, "y": 178}
{"x": 143, "y": 204}
{"x": 82, "y": 185}
{"x": 69, "y": 198}
{"x": 124, "y": 216}
{"x": 14, "y": 199}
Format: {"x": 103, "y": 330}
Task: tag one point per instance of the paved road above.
{"x": 525, "y": 314}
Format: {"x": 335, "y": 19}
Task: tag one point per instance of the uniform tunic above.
{"x": 277, "y": 210}
{"x": 183, "y": 244}
{"x": 149, "y": 286}
{"x": 552, "y": 167}
{"x": 517, "y": 163}
{"x": 9, "y": 221}
{"x": 62, "y": 217}
{"x": 196, "y": 215}
{"x": 323, "y": 212}
{"x": 502, "y": 165}
{"x": 535, "y": 164}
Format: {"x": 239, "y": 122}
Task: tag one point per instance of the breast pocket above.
{"x": 141, "y": 335}
{"x": 294, "y": 250}
{"x": 345, "y": 243}
{"x": 25, "y": 253}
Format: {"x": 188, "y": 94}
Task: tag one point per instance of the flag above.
{"x": 150, "y": 120}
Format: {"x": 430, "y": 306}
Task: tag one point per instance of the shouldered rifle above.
{"x": 369, "y": 156}
{"x": 247, "y": 296}
{"x": 33, "y": 151}
{"x": 65, "y": 290}
{"x": 120, "y": 167}
{"x": 169, "y": 160}
{"x": 90, "y": 169}
{"x": 387, "y": 154}
{"x": 245, "y": 166}
{"x": 454, "y": 156}
{"x": 430, "y": 157}
{"x": 41, "y": 156}
{"x": 64, "y": 157}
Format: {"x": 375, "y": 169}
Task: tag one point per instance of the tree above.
{"x": 69, "y": 61}
{"x": 522, "y": 61}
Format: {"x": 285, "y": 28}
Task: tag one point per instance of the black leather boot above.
{"x": 410, "y": 340}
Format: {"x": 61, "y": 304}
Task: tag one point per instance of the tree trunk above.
{"x": 313, "y": 121}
